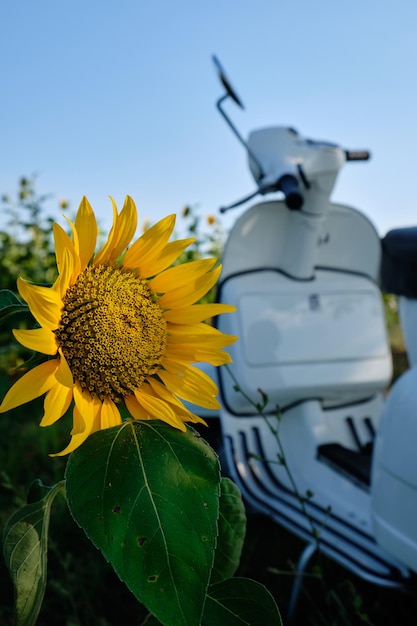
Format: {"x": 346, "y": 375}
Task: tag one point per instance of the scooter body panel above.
{"x": 322, "y": 338}
{"x": 394, "y": 472}
{"x": 268, "y": 235}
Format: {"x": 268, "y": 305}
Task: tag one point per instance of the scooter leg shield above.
{"x": 394, "y": 472}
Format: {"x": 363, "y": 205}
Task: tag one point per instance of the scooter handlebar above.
{"x": 357, "y": 155}
{"x": 288, "y": 184}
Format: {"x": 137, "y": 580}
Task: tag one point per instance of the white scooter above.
{"x": 305, "y": 275}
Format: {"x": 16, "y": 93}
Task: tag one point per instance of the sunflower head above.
{"x": 121, "y": 328}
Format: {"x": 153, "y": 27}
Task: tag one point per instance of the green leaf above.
{"x": 147, "y": 495}
{"x": 25, "y": 542}
{"x": 240, "y": 602}
{"x": 10, "y": 304}
{"x": 232, "y": 530}
{"x": 151, "y": 621}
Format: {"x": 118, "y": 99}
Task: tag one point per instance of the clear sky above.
{"x": 106, "y": 97}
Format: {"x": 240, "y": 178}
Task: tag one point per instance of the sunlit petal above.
{"x": 103, "y": 255}
{"x": 65, "y": 247}
{"x": 152, "y": 266}
{"x": 192, "y": 354}
{"x": 136, "y": 410}
{"x": 126, "y": 227}
{"x": 31, "y": 385}
{"x": 192, "y": 333}
{"x": 81, "y": 430}
{"x": 62, "y": 242}
{"x": 150, "y": 244}
{"x": 57, "y": 402}
{"x": 189, "y": 294}
{"x": 159, "y": 390}
{"x": 44, "y": 303}
{"x": 180, "y": 275}
{"x": 158, "y": 409}
{"x": 86, "y": 226}
{"x": 196, "y": 313}
{"x": 88, "y": 406}
{"x": 63, "y": 373}
{"x": 190, "y": 384}
{"x": 67, "y": 275}
{"x": 39, "y": 340}
{"x": 109, "y": 415}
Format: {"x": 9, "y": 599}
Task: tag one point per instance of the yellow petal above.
{"x": 39, "y": 340}
{"x": 192, "y": 354}
{"x": 199, "y": 332}
{"x": 75, "y": 241}
{"x": 86, "y": 227}
{"x": 158, "y": 409}
{"x": 148, "y": 247}
{"x": 196, "y": 313}
{"x": 180, "y": 410}
{"x": 88, "y": 406}
{"x": 127, "y": 224}
{"x": 198, "y": 342}
{"x": 33, "y": 384}
{"x": 62, "y": 242}
{"x": 64, "y": 246}
{"x": 57, "y": 402}
{"x": 136, "y": 410}
{"x": 44, "y": 303}
{"x": 152, "y": 266}
{"x": 81, "y": 430}
{"x": 103, "y": 254}
{"x": 159, "y": 390}
{"x": 190, "y": 384}
{"x": 180, "y": 275}
{"x": 189, "y": 294}
{"x": 63, "y": 373}
{"x": 110, "y": 415}
{"x": 122, "y": 231}
{"x": 67, "y": 276}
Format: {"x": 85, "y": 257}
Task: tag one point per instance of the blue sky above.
{"x": 107, "y": 98}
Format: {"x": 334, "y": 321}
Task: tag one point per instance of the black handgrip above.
{"x": 357, "y": 155}
{"x": 288, "y": 184}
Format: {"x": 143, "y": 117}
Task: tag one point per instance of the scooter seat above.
{"x": 399, "y": 262}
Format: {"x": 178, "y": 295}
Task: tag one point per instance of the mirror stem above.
{"x": 237, "y": 134}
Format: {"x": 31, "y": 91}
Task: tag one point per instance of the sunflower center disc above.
{"x": 112, "y": 331}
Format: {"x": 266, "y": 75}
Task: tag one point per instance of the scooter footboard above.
{"x": 254, "y": 459}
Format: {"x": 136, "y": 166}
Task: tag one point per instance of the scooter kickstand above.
{"x": 303, "y": 561}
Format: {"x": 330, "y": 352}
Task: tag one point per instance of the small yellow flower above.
{"x": 121, "y": 327}
{"x": 211, "y": 220}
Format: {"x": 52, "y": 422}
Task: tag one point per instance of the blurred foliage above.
{"x": 209, "y": 240}
{"x": 26, "y": 250}
{"x": 208, "y": 233}
{"x": 26, "y": 247}
{"x": 393, "y": 322}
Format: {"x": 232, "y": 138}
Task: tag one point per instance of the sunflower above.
{"x": 121, "y": 328}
